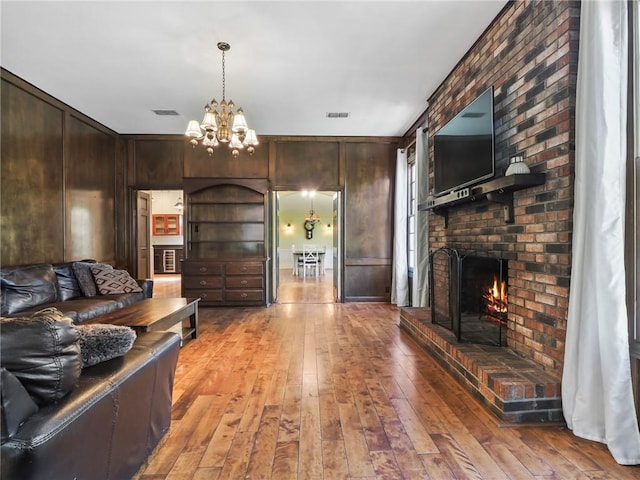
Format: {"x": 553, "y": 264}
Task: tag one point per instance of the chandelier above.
{"x": 312, "y": 216}
{"x": 223, "y": 125}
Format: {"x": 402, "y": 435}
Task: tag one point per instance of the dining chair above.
{"x": 310, "y": 259}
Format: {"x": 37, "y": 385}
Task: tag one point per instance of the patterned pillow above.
{"x": 110, "y": 281}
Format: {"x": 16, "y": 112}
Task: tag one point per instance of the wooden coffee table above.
{"x": 153, "y": 314}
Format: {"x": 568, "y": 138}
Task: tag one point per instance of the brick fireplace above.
{"x": 529, "y": 55}
{"x": 470, "y": 295}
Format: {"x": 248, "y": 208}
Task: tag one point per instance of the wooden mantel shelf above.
{"x": 498, "y": 190}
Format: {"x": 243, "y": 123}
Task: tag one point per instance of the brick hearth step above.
{"x": 515, "y": 389}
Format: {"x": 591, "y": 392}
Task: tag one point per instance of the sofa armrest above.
{"x": 147, "y": 287}
{"x": 16, "y": 404}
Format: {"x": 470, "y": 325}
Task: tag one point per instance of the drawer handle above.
{"x": 243, "y": 282}
{"x": 203, "y": 282}
{"x": 243, "y": 269}
{"x": 203, "y": 269}
{"x": 244, "y": 295}
{"x": 203, "y": 295}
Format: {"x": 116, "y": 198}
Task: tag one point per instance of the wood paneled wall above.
{"x": 369, "y": 190}
{"x": 363, "y": 168}
{"x": 68, "y": 184}
{"x": 58, "y": 180}
{"x": 307, "y": 163}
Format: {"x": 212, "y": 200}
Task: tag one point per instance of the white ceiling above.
{"x": 290, "y": 62}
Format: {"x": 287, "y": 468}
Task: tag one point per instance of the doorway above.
{"x": 159, "y": 233}
{"x": 310, "y": 218}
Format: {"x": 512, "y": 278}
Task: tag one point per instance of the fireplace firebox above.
{"x": 468, "y": 295}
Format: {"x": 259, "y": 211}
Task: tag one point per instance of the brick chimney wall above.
{"x": 529, "y": 54}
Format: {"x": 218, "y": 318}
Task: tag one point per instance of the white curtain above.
{"x": 420, "y": 294}
{"x": 400, "y": 277}
{"x": 597, "y": 393}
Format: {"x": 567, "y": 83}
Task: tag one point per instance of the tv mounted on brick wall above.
{"x": 463, "y": 150}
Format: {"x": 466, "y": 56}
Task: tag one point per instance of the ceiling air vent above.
{"x": 165, "y": 112}
{"x": 337, "y": 114}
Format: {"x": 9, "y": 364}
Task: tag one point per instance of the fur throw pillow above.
{"x": 101, "y": 342}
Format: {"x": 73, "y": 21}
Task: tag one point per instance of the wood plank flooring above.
{"x": 338, "y": 391}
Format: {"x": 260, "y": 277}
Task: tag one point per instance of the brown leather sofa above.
{"x": 32, "y": 287}
{"x": 63, "y": 421}
{"x": 104, "y": 428}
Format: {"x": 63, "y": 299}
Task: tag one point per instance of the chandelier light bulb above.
{"x": 193, "y": 131}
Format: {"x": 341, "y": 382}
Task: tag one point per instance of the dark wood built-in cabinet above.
{"x": 225, "y": 241}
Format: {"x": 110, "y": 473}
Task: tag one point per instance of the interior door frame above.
{"x": 338, "y": 247}
{"x": 142, "y": 228}
{"x": 134, "y": 243}
{"x": 338, "y": 239}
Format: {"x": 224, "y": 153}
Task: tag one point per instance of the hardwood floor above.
{"x": 167, "y": 285}
{"x": 309, "y": 289}
{"x": 338, "y": 391}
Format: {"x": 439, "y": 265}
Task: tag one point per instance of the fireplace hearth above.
{"x": 469, "y": 295}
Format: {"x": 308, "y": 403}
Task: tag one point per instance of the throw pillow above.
{"x": 43, "y": 352}
{"x": 110, "y": 281}
{"x": 85, "y": 277}
{"x": 27, "y": 287}
{"x": 68, "y": 286}
{"x": 101, "y": 342}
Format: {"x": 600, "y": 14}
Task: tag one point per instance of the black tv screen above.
{"x": 463, "y": 151}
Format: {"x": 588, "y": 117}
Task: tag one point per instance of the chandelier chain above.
{"x": 223, "y": 78}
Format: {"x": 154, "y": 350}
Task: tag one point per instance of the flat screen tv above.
{"x": 463, "y": 150}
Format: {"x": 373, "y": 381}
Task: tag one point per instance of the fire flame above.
{"x": 496, "y": 297}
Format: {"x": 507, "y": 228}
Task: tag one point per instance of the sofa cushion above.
{"x": 110, "y": 281}
{"x": 68, "y": 286}
{"x": 16, "y": 404}
{"x": 83, "y": 273}
{"x": 43, "y": 352}
{"x": 82, "y": 309}
{"x": 100, "y": 342}
{"x": 27, "y": 286}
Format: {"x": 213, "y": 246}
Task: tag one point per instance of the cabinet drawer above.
{"x": 202, "y": 268}
{"x": 205, "y": 295}
{"x": 244, "y": 295}
{"x": 243, "y": 282}
{"x": 202, "y": 282}
{"x": 243, "y": 269}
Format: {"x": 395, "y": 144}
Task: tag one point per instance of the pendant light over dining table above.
{"x": 223, "y": 125}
